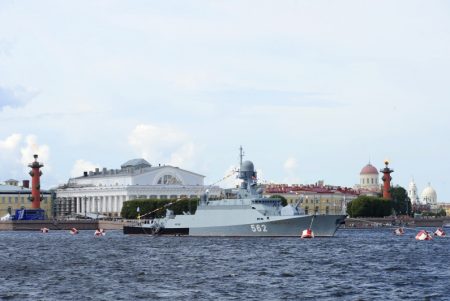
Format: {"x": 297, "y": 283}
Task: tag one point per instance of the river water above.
{"x": 353, "y": 265}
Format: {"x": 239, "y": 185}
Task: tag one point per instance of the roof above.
{"x": 369, "y": 169}
{"x": 140, "y": 162}
{"x": 135, "y": 172}
{"x": 12, "y": 188}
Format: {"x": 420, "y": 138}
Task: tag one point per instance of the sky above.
{"x": 312, "y": 90}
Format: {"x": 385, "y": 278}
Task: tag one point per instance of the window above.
{"x": 169, "y": 180}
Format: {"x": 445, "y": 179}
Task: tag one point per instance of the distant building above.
{"x": 445, "y": 207}
{"x": 369, "y": 181}
{"x": 412, "y": 193}
{"x": 315, "y": 199}
{"x": 104, "y": 191}
{"x": 14, "y": 197}
{"x": 429, "y": 196}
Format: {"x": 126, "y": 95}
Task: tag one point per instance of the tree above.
{"x": 369, "y": 206}
{"x": 281, "y": 198}
{"x": 400, "y": 200}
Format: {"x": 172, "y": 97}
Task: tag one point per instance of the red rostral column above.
{"x": 387, "y": 180}
{"x": 35, "y": 174}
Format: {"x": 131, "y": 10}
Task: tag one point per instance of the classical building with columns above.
{"x": 102, "y": 192}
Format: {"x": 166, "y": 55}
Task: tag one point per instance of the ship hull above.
{"x": 321, "y": 225}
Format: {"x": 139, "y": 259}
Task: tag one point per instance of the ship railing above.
{"x": 136, "y": 222}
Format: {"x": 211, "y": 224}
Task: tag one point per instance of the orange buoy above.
{"x": 423, "y": 235}
{"x": 399, "y": 231}
{"x": 74, "y": 231}
{"x": 44, "y": 230}
{"x": 307, "y": 233}
{"x": 439, "y": 232}
{"x": 99, "y": 232}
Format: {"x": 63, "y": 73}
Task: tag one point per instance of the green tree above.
{"x": 369, "y": 206}
{"x": 129, "y": 209}
{"x": 400, "y": 200}
{"x": 281, "y": 198}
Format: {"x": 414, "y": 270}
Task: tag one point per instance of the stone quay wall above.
{"x": 60, "y": 225}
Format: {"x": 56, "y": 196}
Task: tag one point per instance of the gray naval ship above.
{"x": 249, "y": 214}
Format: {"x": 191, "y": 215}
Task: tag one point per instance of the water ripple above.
{"x": 354, "y": 265}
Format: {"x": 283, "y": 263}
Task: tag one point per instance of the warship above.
{"x": 249, "y": 214}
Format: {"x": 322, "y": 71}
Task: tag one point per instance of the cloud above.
{"x": 17, "y": 152}
{"x": 290, "y": 168}
{"x": 32, "y": 147}
{"x": 163, "y": 144}
{"x": 290, "y": 164}
{"x": 15, "y": 97}
{"x": 9, "y": 157}
{"x": 81, "y": 166}
{"x": 10, "y": 143}
{"x": 273, "y": 97}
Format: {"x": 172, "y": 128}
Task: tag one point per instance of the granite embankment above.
{"x": 60, "y": 225}
{"x": 373, "y": 222}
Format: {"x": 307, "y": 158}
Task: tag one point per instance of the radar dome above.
{"x": 247, "y": 166}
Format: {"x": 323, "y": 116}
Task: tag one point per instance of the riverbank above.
{"x": 364, "y": 223}
{"x": 60, "y": 225}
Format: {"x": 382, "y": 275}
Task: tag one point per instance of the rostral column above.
{"x": 387, "y": 180}
{"x": 35, "y": 174}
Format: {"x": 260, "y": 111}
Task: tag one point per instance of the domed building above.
{"x": 369, "y": 179}
{"x": 412, "y": 193}
{"x": 429, "y": 196}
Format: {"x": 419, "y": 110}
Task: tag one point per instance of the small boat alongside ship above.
{"x": 249, "y": 214}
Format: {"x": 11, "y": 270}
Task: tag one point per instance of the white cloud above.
{"x": 16, "y": 153}
{"x": 32, "y": 147}
{"x": 163, "y": 144}
{"x": 290, "y": 168}
{"x": 81, "y": 166}
{"x": 10, "y": 143}
{"x": 9, "y": 157}
{"x": 290, "y": 164}
{"x": 183, "y": 155}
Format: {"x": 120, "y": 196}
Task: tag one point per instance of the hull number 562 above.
{"x": 258, "y": 228}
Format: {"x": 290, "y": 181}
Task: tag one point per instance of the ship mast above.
{"x": 241, "y": 155}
